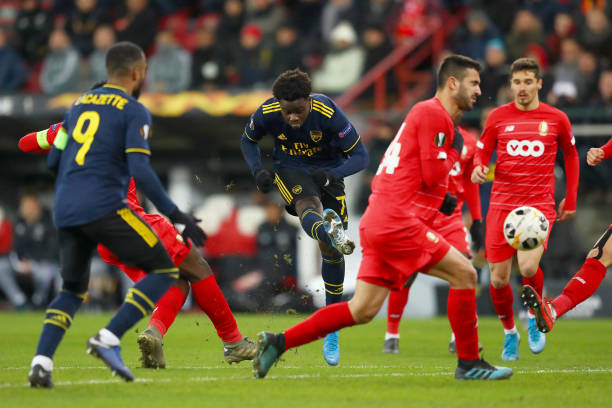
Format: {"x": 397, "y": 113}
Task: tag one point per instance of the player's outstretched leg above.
{"x": 335, "y": 229}
{"x": 543, "y": 310}
{"x": 269, "y": 350}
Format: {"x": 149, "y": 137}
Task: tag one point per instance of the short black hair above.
{"x": 455, "y": 66}
{"x": 292, "y": 85}
{"x": 122, "y": 57}
{"x": 526, "y": 64}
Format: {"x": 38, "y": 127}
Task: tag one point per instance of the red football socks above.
{"x": 324, "y": 321}
{"x": 584, "y": 283}
{"x": 502, "y": 302}
{"x": 395, "y": 307}
{"x": 464, "y": 322}
{"x": 212, "y": 302}
{"x": 167, "y": 308}
{"x": 536, "y": 281}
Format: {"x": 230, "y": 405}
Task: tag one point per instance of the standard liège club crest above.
{"x": 316, "y": 135}
{"x": 543, "y": 128}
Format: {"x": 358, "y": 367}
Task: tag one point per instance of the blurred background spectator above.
{"x": 285, "y": 52}
{"x": 169, "y": 68}
{"x": 526, "y": 29}
{"x": 33, "y": 26}
{"x": 137, "y": 23}
{"x": 494, "y": 79}
{"x": 265, "y": 14}
{"x": 103, "y": 38}
{"x": 8, "y": 283}
{"x": 81, "y": 25}
{"x": 343, "y": 64}
{"x": 60, "y": 70}
{"x": 250, "y": 59}
{"x": 13, "y": 72}
{"x": 35, "y": 253}
{"x": 480, "y": 31}
{"x": 208, "y": 60}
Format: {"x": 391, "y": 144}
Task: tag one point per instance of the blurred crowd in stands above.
{"x": 58, "y": 46}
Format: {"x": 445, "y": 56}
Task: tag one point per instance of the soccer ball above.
{"x": 525, "y": 228}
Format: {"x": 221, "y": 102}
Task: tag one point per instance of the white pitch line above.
{"x": 308, "y": 376}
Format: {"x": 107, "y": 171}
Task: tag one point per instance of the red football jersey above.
{"x": 526, "y": 144}
{"x": 459, "y": 182}
{"x": 412, "y": 178}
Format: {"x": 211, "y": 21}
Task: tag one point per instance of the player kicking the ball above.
{"x": 525, "y": 133}
{"x": 315, "y": 147}
{"x": 408, "y": 191}
{"x": 586, "y": 281}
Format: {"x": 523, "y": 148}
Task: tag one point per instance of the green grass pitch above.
{"x": 575, "y": 369}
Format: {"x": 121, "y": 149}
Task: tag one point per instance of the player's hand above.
{"x": 449, "y": 204}
{"x": 477, "y": 234}
{"x": 563, "y": 214}
{"x": 191, "y": 229}
{"x": 479, "y": 174}
{"x": 595, "y": 155}
{"x": 457, "y": 141}
{"x": 264, "y": 180}
{"x": 321, "y": 177}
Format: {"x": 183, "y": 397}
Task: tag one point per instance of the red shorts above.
{"x": 389, "y": 258}
{"x": 497, "y": 248}
{"x": 453, "y": 231}
{"x": 170, "y": 238}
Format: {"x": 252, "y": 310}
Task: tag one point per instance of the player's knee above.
{"x": 467, "y": 277}
{"x": 194, "y": 268}
{"x": 499, "y": 282}
{"x": 528, "y": 269}
{"x": 363, "y": 312}
{"x": 306, "y": 203}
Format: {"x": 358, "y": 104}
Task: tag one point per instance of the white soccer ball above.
{"x": 525, "y": 228}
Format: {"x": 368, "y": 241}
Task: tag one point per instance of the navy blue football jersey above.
{"x": 323, "y": 141}
{"x": 101, "y": 128}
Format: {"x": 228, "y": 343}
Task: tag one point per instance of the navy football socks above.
{"x": 140, "y": 300}
{"x": 332, "y": 272}
{"x": 58, "y": 319}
